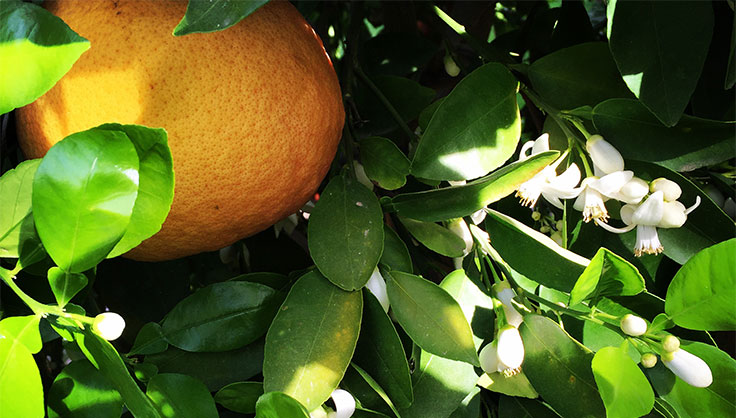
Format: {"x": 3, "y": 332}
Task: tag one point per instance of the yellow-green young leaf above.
{"x": 701, "y": 296}
{"x": 16, "y": 219}
{"x": 215, "y": 15}
{"x": 36, "y": 49}
{"x": 431, "y": 317}
{"x": 345, "y": 233}
{"x": 459, "y": 201}
{"x": 240, "y": 396}
{"x": 625, "y": 391}
{"x": 65, "y": 285}
{"x": 178, "y": 395}
{"x": 435, "y": 237}
{"x": 311, "y": 341}
{"x": 606, "y": 275}
{"x": 20, "y": 382}
{"x": 474, "y": 130}
{"x": 384, "y": 162}
{"x": 24, "y": 330}
{"x": 82, "y": 391}
{"x": 279, "y": 405}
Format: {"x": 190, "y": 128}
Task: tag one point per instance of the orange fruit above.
{"x": 253, "y": 113}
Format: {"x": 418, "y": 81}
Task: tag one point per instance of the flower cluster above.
{"x": 505, "y": 353}
{"x": 647, "y": 206}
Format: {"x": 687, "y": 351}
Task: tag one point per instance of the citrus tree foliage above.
{"x": 530, "y": 215}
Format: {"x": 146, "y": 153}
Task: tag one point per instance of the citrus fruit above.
{"x": 253, "y": 113}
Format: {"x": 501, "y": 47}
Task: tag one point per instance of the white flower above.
{"x": 344, "y": 404}
{"x": 505, "y": 293}
{"x": 505, "y": 354}
{"x": 377, "y": 285}
{"x": 606, "y": 158}
{"x": 108, "y": 325}
{"x": 633, "y": 325}
{"x": 688, "y": 367}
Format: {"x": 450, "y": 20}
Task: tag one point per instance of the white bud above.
{"x": 344, "y": 403}
{"x": 536, "y": 215}
{"x": 604, "y": 155}
{"x": 451, "y": 67}
{"x": 510, "y": 349}
{"x": 377, "y": 285}
{"x": 488, "y": 357}
{"x": 633, "y": 325}
{"x": 108, "y": 325}
{"x": 671, "y": 343}
{"x": 648, "y": 360}
{"x": 460, "y": 228}
{"x": 361, "y": 176}
{"x": 505, "y": 294}
{"x": 688, "y": 367}
{"x": 673, "y": 215}
{"x": 557, "y": 238}
{"x": 669, "y": 188}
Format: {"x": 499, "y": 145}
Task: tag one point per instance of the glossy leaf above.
{"x": 384, "y": 162}
{"x": 376, "y": 387}
{"x": 150, "y": 340}
{"x": 156, "y": 184}
{"x": 311, "y": 341}
{"x": 380, "y": 354}
{"x": 435, "y": 237}
{"x": 469, "y": 407}
{"x": 20, "y": 381}
{"x": 81, "y": 391}
{"x": 623, "y": 387}
{"x": 523, "y": 408}
{"x": 279, "y": 405}
{"x": 16, "y": 219}
{"x": 240, "y": 396}
{"x": 23, "y": 330}
{"x": 474, "y": 130}
{"x": 459, "y": 201}
{"x": 65, "y": 285}
{"x": 596, "y": 337}
{"x": 650, "y": 39}
{"x": 41, "y": 48}
{"x": 476, "y": 305}
{"x": 715, "y": 401}
{"x": 431, "y": 317}
{"x": 83, "y": 196}
{"x": 583, "y": 74}
{"x": 557, "y": 366}
{"x": 638, "y": 135}
{"x": 516, "y": 385}
{"x": 66, "y": 327}
{"x": 395, "y": 254}
{"x": 606, "y": 275}
{"x": 106, "y": 359}
{"x": 701, "y": 295}
{"x": 345, "y": 233}
{"x": 534, "y": 254}
{"x": 215, "y": 15}
{"x": 221, "y": 317}
{"x": 178, "y": 395}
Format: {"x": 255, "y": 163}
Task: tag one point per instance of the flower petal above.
{"x": 650, "y": 212}
{"x": 541, "y": 144}
{"x": 604, "y": 155}
{"x": 611, "y": 184}
{"x": 690, "y": 368}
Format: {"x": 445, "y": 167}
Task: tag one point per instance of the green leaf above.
{"x": 215, "y": 15}
{"x": 83, "y": 196}
{"x": 240, "y": 396}
{"x": 596, "y": 337}
{"x": 523, "y": 408}
{"x": 691, "y": 144}
{"x": 459, "y": 201}
{"x": 38, "y": 48}
{"x": 730, "y": 79}
{"x": 705, "y": 226}
{"x": 65, "y": 285}
{"x": 426, "y": 115}
{"x": 279, "y": 405}
{"x": 661, "y": 322}
{"x": 379, "y": 352}
{"x": 221, "y": 317}
{"x": 715, "y": 401}
{"x": 66, "y": 327}
{"x": 20, "y": 382}
{"x": 515, "y": 385}
{"x": 557, "y": 366}
{"x": 474, "y": 130}
{"x": 606, "y": 275}
{"x": 150, "y": 340}
{"x": 376, "y": 388}
{"x": 384, "y": 162}
{"x": 81, "y": 391}
{"x": 345, "y": 233}
{"x": 584, "y": 74}
{"x": 16, "y": 220}
{"x": 476, "y": 305}
{"x": 431, "y": 317}
{"x": 469, "y": 407}
{"x": 623, "y": 387}
{"x": 106, "y": 359}
{"x": 534, "y": 254}
{"x": 214, "y": 369}
{"x": 701, "y": 295}
{"x": 435, "y": 237}
{"x": 440, "y": 385}
{"x": 23, "y": 330}
{"x": 662, "y": 409}
{"x": 178, "y": 395}
{"x": 649, "y": 40}
{"x": 311, "y": 340}
{"x": 395, "y": 254}
{"x": 156, "y": 184}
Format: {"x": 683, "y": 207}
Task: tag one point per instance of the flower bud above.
{"x": 671, "y": 343}
{"x": 460, "y": 228}
{"x": 478, "y": 216}
{"x": 362, "y": 176}
{"x": 108, "y": 325}
{"x": 488, "y": 357}
{"x": 688, "y": 367}
{"x": 604, "y": 155}
{"x": 633, "y": 325}
{"x": 344, "y": 404}
{"x": 451, "y": 67}
{"x": 648, "y": 360}
{"x": 545, "y": 229}
{"x": 557, "y": 238}
{"x": 669, "y": 188}
{"x": 505, "y": 293}
{"x": 673, "y": 215}
{"x": 377, "y": 285}
{"x": 510, "y": 348}
{"x": 536, "y": 215}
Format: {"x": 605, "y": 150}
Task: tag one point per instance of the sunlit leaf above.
{"x": 65, "y": 285}
{"x": 623, "y": 387}
{"x": 20, "y": 382}
{"x": 279, "y": 405}
{"x": 606, "y": 275}
{"x": 81, "y": 391}
{"x": 214, "y": 15}
{"x": 240, "y": 396}
{"x": 178, "y": 395}
{"x": 16, "y": 219}
{"x": 395, "y": 254}
{"x": 476, "y": 305}
{"x": 23, "y": 330}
